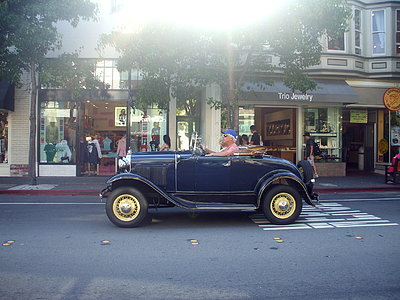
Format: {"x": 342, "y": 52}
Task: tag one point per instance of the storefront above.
{"x": 282, "y": 117}
{"x": 86, "y": 137}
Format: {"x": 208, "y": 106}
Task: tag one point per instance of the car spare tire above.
{"x": 306, "y": 170}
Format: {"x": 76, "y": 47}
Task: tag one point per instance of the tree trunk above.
{"x": 32, "y": 134}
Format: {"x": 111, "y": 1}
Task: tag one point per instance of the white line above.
{"x": 361, "y": 199}
{"x": 42, "y": 203}
{"x": 321, "y": 220}
{"x": 286, "y": 228}
{"x": 366, "y": 225}
{"x": 355, "y": 213}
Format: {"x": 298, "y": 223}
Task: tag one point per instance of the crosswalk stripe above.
{"x": 326, "y": 215}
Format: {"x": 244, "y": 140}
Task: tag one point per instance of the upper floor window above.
{"x": 378, "y": 32}
{"x": 357, "y": 31}
{"x": 336, "y": 43}
{"x": 398, "y": 31}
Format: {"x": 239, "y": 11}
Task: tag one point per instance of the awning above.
{"x": 327, "y": 91}
{"x": 7, "y": 94}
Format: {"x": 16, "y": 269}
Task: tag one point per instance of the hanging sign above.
{"x": 391, "y": 99}
{"x": 358, "y": 116}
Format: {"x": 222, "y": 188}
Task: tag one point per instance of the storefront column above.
{"x": 299, "y": 134}
{"x": 172, "y": 121}
{"x": 211, "y": 118}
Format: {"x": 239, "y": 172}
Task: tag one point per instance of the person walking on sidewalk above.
{"x": 310, "y": 150}
{"x": 255, "y": 138}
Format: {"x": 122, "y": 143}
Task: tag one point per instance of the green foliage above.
{"x": 70, "y": 72}
{"x": 28, "y": 31}
{"x": 173, "y": 58}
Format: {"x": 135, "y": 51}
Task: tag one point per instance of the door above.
{"x": 213, "y": 175}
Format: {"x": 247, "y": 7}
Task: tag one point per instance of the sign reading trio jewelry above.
{"x": 295, "y": 97}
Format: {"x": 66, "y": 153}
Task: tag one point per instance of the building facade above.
{"x": 345, "y": 115}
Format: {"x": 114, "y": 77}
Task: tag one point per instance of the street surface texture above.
{"x": 63, "y": 247}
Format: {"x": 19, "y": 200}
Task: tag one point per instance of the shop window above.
{"x": 3, "y": 137}
{"x": 324, "y": 127}
{"x": 246, "y": 119}
{"x": 378, "y": 32}
{"x": 336, "y": 43}
{"x": 398, "y": 31}
{"x": 57, "y": 132}
{"x": 357, "y": 31}
{"x": 147, "y": 129}
{"x": 388, "y": 135}
{"x": 106, "y": 72}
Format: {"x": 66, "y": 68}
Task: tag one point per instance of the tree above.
{"x": 172, "y": 58}
{"x": 28, "y": 33}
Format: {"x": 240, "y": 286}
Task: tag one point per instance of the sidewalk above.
{"x": 93, "y": 185}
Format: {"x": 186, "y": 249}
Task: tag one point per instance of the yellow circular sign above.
{"x": 383, "y": 146}
{"x": 391, "y": 99}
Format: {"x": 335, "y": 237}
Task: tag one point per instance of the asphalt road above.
{"x": 58, "y": 252}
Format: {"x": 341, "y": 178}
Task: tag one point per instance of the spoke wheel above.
{"x": 282, "y": 204}
{"x": 126, "y": 207}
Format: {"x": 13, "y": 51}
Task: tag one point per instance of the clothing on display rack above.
{"x": 121, "y": 147}
{"x": 107, "y": 144}
{"x": 97, "y": 144}
{"x": 63, "y": 152}
{"x": 50, "y": 150}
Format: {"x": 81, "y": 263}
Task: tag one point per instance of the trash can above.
{"x": 361, "y": 155}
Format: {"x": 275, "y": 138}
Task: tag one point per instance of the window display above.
{"x": 147, "y": 129}
{"x": 324, "y": 126}
{"x": 57, "y": 132}
{"x": 3, "y": 137}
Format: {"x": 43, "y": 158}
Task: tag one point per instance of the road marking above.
{"x": 44, "y": 203}
{"x": 325, "y": 216}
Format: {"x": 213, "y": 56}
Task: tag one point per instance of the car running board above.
{"x": 227, "y": 206}
{"x": 187, "y": 204}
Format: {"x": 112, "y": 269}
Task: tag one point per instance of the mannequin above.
{"x": 121, "y": 147}
{"x": 63, "y": 152}
{"x": 52, "y": 133}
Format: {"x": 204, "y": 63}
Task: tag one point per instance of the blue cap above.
{"x": 230, "y": 132}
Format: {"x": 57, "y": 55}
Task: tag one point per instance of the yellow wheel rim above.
{"x": 283, "y": 205}
{"x": 126, "y": 207}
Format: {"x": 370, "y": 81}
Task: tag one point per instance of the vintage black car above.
{"x": 246, "y": 180}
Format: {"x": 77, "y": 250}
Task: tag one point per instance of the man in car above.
{"x": 228, "y": 142}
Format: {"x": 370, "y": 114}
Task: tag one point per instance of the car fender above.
{"x": 269, "y": 179}
{"x": 136, "y": 177}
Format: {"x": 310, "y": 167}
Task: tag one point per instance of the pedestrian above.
{"x": 244, "y": 141}
{"x": 167, "y": 143}
{"x": 255, "y": 138}
{"x": 310, "y": 150}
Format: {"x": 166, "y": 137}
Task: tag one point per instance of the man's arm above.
{"x": 222, "y": 153}
{"x": 311, "y": 150}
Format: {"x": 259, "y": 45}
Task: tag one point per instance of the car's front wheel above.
{"x": 282, "y": 204}
{"x": 126, "y": 207}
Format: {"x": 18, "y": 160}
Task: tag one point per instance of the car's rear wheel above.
{"x": 126, "y": 207}
{"x": 282, "y": 204}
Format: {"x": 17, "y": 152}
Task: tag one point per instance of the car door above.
{"x": 246, "y": 171}
{"x": 185, "y": 172}
{"x": 213, "y": 175}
